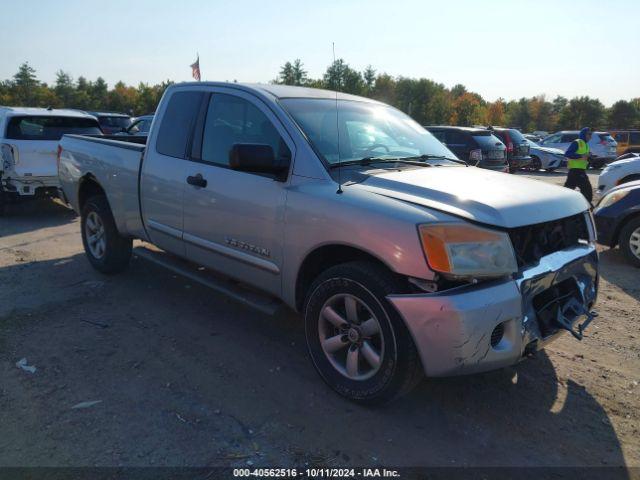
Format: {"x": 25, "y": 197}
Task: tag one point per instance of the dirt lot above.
{"x": 184, "y": 376}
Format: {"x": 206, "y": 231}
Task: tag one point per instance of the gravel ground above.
{"x": 146, "y": 368}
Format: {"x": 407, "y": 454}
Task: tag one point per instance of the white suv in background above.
{"x": 625, "y": 170}
{"x": 29, "y": 146}
{"x": 602, "y": 145}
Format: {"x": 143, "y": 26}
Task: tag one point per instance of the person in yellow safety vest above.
{"x": 578, "y": 161}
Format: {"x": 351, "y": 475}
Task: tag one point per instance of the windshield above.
{"x": 50, "y": 127}
{"x": 361, "y": 130}
{"x": 531, "y": 143}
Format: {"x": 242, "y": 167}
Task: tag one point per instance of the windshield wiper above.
{"x": 370, "y": 160}
{"x": 428, "y": 156}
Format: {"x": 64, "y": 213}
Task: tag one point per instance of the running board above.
{"x": 238, "y": 292}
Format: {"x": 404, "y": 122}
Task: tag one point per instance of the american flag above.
{"x": 195, "y": 69}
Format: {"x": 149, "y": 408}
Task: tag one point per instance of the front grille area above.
{"x": 533, "y": 242}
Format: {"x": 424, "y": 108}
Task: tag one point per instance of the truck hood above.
{"x": 483, "y": 196}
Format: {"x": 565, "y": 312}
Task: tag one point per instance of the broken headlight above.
{"x": 461, "y": 250}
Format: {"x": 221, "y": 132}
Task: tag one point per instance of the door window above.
{"x": 232, "y": 120}
{"x": 634, "y": 138}
{"x": 177, "y": 123}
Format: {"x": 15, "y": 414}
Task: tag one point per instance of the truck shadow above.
{"x": 30, "y": 215}
{"x": 615, "y": 269}
{"x": 526, "y": 412}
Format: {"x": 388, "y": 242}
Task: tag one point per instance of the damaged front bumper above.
{"x": 492, "y": 325}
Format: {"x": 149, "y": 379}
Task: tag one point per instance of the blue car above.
{"x": 617, "y": 219}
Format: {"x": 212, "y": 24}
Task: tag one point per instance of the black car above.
{"x": 517, "y": 147}
{"x": 112, "y": 123}
{"x": 476, "y": 146}
{"x": 618, "y": 220}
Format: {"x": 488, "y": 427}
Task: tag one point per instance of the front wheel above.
{"x": 630, "y": 241}
{"x": 356, "y": 339}
{"x": 106, "y": 249}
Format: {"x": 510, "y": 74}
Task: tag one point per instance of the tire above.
{"x": 536, "y": 164}
{"x": 108, "y": 251}
{"x": 366, "y": 286}
{"x": 631, "y": 233}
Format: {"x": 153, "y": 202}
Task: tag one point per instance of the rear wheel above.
{"x": 106, "y": 249}
{"x": 630, "y": 241}
{"x": 356, "y": 339}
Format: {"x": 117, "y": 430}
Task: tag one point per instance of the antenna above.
{"x": 333, "y": 45}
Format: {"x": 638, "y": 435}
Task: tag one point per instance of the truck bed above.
{"x": 114, "y": 161}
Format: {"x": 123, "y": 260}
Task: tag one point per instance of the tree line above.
{"x": 428, "y": 102}
{"x": 24, "y": 89}
{"x": 431, "y": 103}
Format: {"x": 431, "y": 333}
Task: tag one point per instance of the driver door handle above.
{"x": 197, "y": 181}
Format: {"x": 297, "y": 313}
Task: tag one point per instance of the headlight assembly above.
{"x": 612, "y": 198}
{"x": 462, "y": 250}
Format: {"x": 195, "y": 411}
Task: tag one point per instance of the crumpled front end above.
{"x": 487, "y": 326}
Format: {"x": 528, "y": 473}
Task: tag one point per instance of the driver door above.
{"x": 234, "y": 220}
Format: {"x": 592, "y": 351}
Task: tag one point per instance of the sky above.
{"x": 497, "y": 48}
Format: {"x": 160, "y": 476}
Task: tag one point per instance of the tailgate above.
{"x": 36, "y": 158}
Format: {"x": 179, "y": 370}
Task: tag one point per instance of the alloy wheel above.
{"x": 95, "y": 234}
{"x": 634, "y": 242}
{"x": 351, "y": 337}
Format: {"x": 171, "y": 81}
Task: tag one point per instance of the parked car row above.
{"x": 495, "y": 148}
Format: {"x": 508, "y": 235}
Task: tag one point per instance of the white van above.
{"x": 29, "y": 143}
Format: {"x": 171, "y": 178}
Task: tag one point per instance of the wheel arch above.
{"x": 326, "y": 256}
{"x": 88, "y": 187}
{"x": 621, "y": 224}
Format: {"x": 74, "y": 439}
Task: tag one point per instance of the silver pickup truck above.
{"x": 401, "y": 259}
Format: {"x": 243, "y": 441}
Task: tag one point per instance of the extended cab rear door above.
{"x": 164, "y": 169}
{"x": 233, "y": 220}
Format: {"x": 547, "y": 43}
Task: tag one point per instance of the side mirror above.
{"x": 257, "y": 158}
